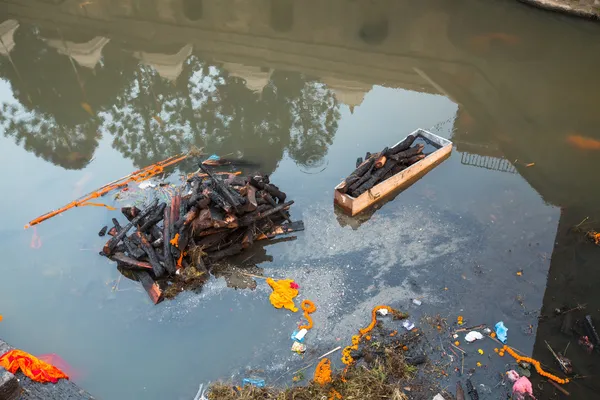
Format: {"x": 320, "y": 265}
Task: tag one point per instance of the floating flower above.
{"x": 457, "y": 343}
{"x": 480, "y": 351}
{"x": 478, "y": 364}
{"x": 294, "y": 285}
{"x": 460, "y": 320}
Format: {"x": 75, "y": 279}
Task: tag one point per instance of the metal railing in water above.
{"x": 488, "y": 162}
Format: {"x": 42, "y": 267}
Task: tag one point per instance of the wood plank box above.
{"x": 402, "y": 180}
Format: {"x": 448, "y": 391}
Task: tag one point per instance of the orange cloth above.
{"x": 31, "y": 366}
{"x": 283, "y": 294}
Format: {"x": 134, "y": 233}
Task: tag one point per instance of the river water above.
{"x": 91, "y": 91}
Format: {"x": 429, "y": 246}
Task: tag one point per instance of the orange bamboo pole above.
{"x": 136, "y": 176}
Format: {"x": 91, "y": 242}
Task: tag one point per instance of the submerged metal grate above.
{"x": 487, "y": 162}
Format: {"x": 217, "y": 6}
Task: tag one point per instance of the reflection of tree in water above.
{"x": 48, "y": 119}
{"x": 151, "y": 118}
{"x": 207, "y": 107}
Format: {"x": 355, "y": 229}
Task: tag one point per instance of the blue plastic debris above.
{"x": 299, "y": 335}
{"x": 501, "y": 331}
{"x": 214, "y": 157}
{"x": 260, "y": 383}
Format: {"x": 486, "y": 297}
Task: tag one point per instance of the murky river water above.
{"x": 93, "y": 90}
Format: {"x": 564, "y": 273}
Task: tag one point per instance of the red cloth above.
{"x": 31, "y": 366}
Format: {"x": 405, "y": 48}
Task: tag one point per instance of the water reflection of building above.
{"x": 168, "y": 66}
{"x": 7, "y": 31}
{"x": 87, "y": 54}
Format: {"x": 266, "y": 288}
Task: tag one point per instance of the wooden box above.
{"x": 403, "y": 179}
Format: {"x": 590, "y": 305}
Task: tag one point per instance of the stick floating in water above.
{"x": 136, "y": 176}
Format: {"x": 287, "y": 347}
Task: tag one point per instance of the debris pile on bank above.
{"x": 171, "y": 245}
{"x": 380, "y": 166}
{"x": 382, "y": 364}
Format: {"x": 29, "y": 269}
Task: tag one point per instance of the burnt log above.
{"x": 271, "y": 189}
{"x": 158, "y": 243}
{"x": 380, "y": 162}
{"x": 184, "y": 237}
{"x": 186, "y": 219}
{"x": 157, "y": 267}
{"x": 403, "y": 145}
{"x": 380, "y": 173}
{"x": 167, "y": 232}
{"x": 110, "y": 245}
{"x": 271, "y": 201}
{"x": 235, "y": 180}
{"x": 223, "y": 190}
{"x": 366, "y": 176}
{"x": 149, "y": 286}
{"x": 127, "y": 262}
{"x": 248, "y": 220}
{"x": 281, "y": 230}
{"x": 230, "y": 221}
{"x": 251, "y": 203}
{"x": 130, "y": 212}
{"x": 359, "y": 161}
{"x": 364, "y": 167}
{"x": 202, "y": 222}
{"x": 414, "y": 159}
{"x": 248, "y": 237}
{"x": 175, "y": 207}
{"x": 406, "y": 154}
{"x": 218, "y": 200}
{"x": 132, "y": 246}
{"x": 153, "y": 219}
{"x": 103, "y": 231}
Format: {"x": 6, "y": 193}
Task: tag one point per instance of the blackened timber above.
{"x": 158, "y": 269}
{"x": 247, "y": 220}
{"x": 167, "y": 226}
{"x": 222, "y": 189}
{"x": 153, "y": 218}
{"x": 367, "y": 175}
{"x": 273, "y": 190}
{"x": 403, "y": 145}
{"x": 413, "y": 151}
{"x": 110, "y": 245}
{"x": 380, "y": 173}
{"x": 271, "y": 201}
{"x": 130, "y": 263}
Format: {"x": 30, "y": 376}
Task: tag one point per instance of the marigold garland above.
{"x": 323, "y": 372}
{"x": 309, "y": 308}
{"x": 535, "y": 363}
{"x": 346, "y": 357}
{"x": 334, "y": 395}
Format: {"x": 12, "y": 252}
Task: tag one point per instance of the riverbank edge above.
{"x": 587, "y": 12}
{"x": 18, "y": 386}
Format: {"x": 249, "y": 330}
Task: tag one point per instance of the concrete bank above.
{"x": 19, "y": 387}
{"x": 589, "y": 9}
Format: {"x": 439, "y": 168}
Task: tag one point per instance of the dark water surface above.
{"x": 92, "y": 90}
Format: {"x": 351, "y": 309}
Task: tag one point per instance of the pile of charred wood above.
{"x": 169, "y": 247}
{"x": 380, "y": 166}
